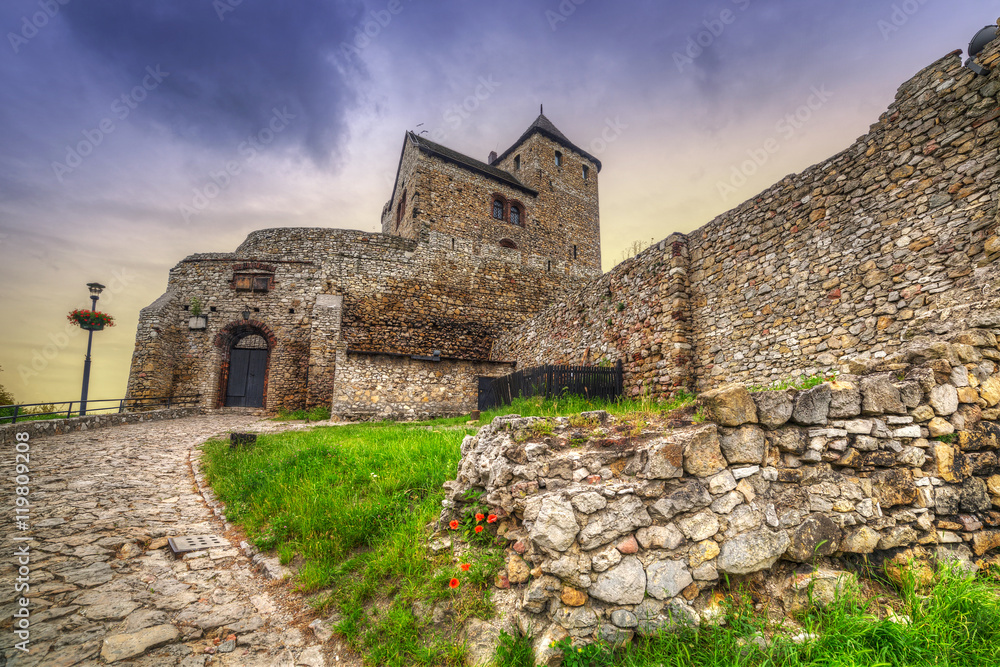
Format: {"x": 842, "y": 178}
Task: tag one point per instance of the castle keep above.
{"x": 397, "y": 324}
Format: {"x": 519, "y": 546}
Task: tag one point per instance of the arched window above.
{"x": 507, "y": 243}
{"x": 558, "y": 159}
{"x": 515, "y": 214}
{"x": 498, "y": 208}
{"x": 400, "y": 209}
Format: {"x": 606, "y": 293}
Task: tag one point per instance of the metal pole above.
{"x": 86, "y": 363}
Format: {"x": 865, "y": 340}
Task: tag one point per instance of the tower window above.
{"x": 498, "y": 208}
{"x": 507, "y": 243}
{"x": 574, "y": 252}
{"x": 586, "y": 172}
{"x": 558, "y": 159}
{"x": 517, "y": 163}
{"x": 515, "y": 214}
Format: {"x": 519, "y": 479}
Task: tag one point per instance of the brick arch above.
{"x": 496, "y": 196}
{"x": 228, "y": 337}
{"x": 234, "y": 331}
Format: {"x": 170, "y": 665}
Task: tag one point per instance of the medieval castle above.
{"x": 482, "y": 266}
{"x": 393, "y": 324}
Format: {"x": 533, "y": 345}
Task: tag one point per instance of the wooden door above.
{"x": 247, "y": 370}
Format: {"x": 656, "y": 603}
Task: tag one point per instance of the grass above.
{"x": 801, "y": 383}
{"x": 561, "y": 406}
{"x": 32, "y": 414}
{"x": 317, "y": 414}
{"x": 956, "y": 623}
{"x": 349, "y": 506}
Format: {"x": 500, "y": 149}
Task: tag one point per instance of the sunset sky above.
{"x": 118, "y": 121}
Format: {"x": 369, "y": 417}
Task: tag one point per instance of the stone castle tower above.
{"x": 394, "y": 324}
{"x": 539, "y": 197}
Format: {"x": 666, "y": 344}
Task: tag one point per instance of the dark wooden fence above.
{"x": 548, "y": 381}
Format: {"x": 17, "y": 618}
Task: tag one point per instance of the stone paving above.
{"x": 105, "y": 587}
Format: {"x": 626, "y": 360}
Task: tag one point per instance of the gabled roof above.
{"x": 544, "y": 126}
{"x": 467, "y": 162}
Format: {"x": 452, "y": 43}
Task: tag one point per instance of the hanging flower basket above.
{"x": 91, "y": 320}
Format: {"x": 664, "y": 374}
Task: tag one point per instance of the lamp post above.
{"x": 95, "y": 293}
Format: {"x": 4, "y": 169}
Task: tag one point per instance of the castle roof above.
{"x": 467, "y": 162}
{"x": 544, "y": 126}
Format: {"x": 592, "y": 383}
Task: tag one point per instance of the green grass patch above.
{"x": 956, "y": 623}
{"x": 317, "y": 414}
{"x": 801, "y": 383}
{"x": 349, "y": 506}
{"x": 561, "y": 406}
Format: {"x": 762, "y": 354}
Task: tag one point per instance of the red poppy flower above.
{"x": 480, "y": 517}
{"x": 479, "y": 529}
{"x": 453, "y": 525}
{"x": 491, "y": 518}
{"x": 465, "y": 567}
{"x": 453, "y": 583}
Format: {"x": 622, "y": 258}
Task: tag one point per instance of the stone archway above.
{"x": 246, "y": 359}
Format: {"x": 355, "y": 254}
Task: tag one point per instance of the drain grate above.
{"x": 195, "y": 543}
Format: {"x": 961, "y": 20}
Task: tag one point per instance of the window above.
{"x": 252, "y": 283}
{"x": 507, "y": 243}
{"x": 515, "y": 215}
{"x": 498, "y": 208}
{"x": 574, "y": 252}
{"x": 400, "y": 209}
{"x": 586, "y": 172}
{"x": 517, "y": 163}
{"x": 558, "y": 159}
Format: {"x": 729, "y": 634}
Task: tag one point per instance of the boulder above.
{"x": 689, "y": 497}
{"x": 944, "y": 399}
{"x": 729, "y": 405}
{"x": 624, "y": 583}
{"x": 556, "y": 527}
{"x": 667, "y": 578}
{"x": 893, "y": 487}
{"x": 974, "y": 496}
{"x": 845, "y": 399}
{"x": 860, "y": 541}
{"x": 880, "y": 396}
{"x": 660, "y": 537}
{"x": 700, "y": 526}
{"x": 620, "y": 517}
{"x": 752, "y": 551}
{"x": 774, "y": 408}
{"x": 813, "y": 405}
{"x": 743, "y": 445}
{"x": 666, "y": 459}
{"x": 702, "y": 455}
{"x": 817, "y": 536}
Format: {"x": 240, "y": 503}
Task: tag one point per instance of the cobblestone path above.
{"x": 105, "y": 587}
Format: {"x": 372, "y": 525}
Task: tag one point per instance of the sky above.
{"x": 133, "y": 134}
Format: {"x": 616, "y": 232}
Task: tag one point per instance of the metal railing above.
{"x": 10, "y": 414}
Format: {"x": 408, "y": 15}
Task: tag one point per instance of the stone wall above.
{"x": 45, "y": 427}
{"x": 886, "y": 240}
{"x": 381, "y": 386}
{"x": 330, "y": 290}
{"x": 621, "y": 526}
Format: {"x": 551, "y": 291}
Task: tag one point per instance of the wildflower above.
{"x": 491, "y": 518}
{"x": 453, "y": 524}
{"x": 465, "y": 567}
{"x": 479, "y": 529}
{"x": 480, "y": 516}
{"x": 453, "y": 583}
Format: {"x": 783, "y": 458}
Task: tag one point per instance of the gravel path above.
{"x": 105, "y": 587}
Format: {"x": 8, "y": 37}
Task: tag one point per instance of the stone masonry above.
{"x": 626, "y": 526}
{"x": 896, "y": 236}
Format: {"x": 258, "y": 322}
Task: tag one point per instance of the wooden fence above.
{"x": 548, "y": 381}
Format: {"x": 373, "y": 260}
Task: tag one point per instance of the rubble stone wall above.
{"x": 615, "y": 526}
{"x": 381, "y": 386}
{"x": 886, "y": 240}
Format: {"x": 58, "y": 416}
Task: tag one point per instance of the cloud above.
{"x": 229, "y": 63}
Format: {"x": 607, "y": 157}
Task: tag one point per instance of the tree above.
{"x": 6, "y": 398}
